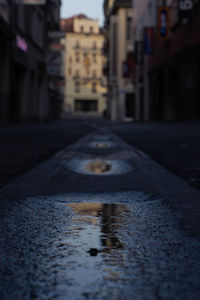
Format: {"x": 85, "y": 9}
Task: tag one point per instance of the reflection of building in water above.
{"x": 84, "y": 62}
{"x": 110, "y": 220}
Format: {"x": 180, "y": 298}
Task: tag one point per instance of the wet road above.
{"x": 100, "y": 220}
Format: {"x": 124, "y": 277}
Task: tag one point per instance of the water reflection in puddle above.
{"x": 95, "y": 242}
{"x": 98, "y": 167}
{"x": 101, "y": 222}
{"x": 92, "y": 166}
{"x": 102, "y": 144}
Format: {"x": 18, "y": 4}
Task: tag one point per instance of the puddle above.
{"x": 97, "y": 246}
{"x": 102, "y": 145}
{"x": 94, "y": 242}
{"x": 98, "y": 224}
{"x": 99, "y": 166}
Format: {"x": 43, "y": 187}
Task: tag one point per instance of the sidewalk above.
{"x": 24, "y": 146}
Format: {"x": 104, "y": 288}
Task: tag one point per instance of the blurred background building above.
{"x": 153, "y": 59}
{"x": 144, "y": 65}
{"x": 168, "y": 68}
{"x": 55, "y": 52}
{"x": 84, "y": 61}
{"x": 5, "y": 42}
{"x": 23, "y": 61}
{"x": 121, "y": 92}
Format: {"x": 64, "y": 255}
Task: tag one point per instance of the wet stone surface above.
{"x": 97, "y": 246}
{"x": 101, "y": 146}
{"x": 99, "y": 166}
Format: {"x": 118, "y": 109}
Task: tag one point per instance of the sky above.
{"x": 92, "y": 8}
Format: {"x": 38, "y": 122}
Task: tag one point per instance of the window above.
{"x": 94, "y": 88}
{"x": 94, "y": 45}
{"x": 77, "y": 58}
{"x": 91, "y": 29}
{"x": 128, "y": 28}
{"x": 94, "y": 74}
{"x": 77, "y": 87}
{"x": 94, "y": 58}
{"x": 77, "y": 74}
{"x": 81, "y": 29}
{"x": 77, "y": 45}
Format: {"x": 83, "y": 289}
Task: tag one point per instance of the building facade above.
{"x": 167, "y": 80}
{"x": 23, "y": 60}
{"x": 121, "y": 92}
{"x": 5, "y": 61}
{"x": 84, "y": 61}
{"x": 55, "y": 72}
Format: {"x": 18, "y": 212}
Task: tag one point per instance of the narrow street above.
{"x": 99, "y": 220}
{"x": 99, "y": 150}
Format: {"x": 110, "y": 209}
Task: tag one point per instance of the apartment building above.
{"x": 86, "y": 86}
{"x": 121, "y": 92}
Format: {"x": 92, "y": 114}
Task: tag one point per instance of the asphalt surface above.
{"x": 176, "y": 146}
{"x": 23, "y": 146}
{"x": 69, "y": 231}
